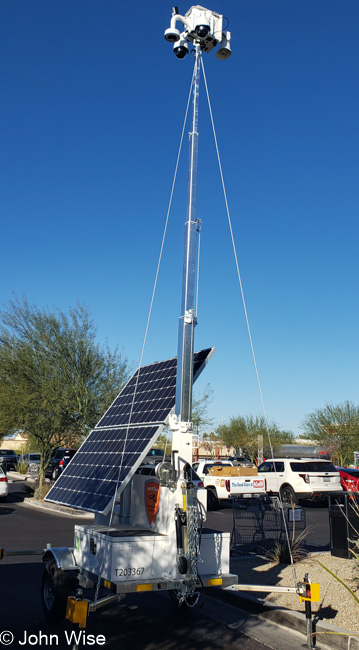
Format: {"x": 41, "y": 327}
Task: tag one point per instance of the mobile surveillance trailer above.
{"x": 147, "y": 533}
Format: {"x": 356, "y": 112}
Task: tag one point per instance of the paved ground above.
{"x": 132, "y": 625}
{"x": 142, "y": 622}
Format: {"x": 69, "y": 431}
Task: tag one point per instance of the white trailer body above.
{"x": 144, "y": 550}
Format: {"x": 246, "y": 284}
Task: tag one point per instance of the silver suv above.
{"x": 300, "y": 478}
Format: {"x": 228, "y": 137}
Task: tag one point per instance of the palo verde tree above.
{"x": 336, "y": 428}
{"x": 242, "y": 433}
{"x": 55, "y": 380}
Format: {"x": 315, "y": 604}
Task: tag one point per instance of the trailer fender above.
{"x": 63, "y": 557}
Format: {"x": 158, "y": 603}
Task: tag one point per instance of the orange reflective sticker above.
{"x": 152, "y": 500}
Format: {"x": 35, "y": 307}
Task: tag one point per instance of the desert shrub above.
{"x": 288, "y": 551}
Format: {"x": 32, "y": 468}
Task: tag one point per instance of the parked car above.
{"x": 8, "y": 459}
{"x": 30, "y": 458}
{"x": 300, "y": 478}
{"x": 242, "y": 461}
{"x": 154, "y": 455}
{"x": 349, "y": 479}
{"x": 203, "y": 466}
{"x": 147, "y": 469}
{"x": 58, "y": 461}
{"x": 4, "y": 486}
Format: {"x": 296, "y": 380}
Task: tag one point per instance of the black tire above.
{"x": 212, "y": 500}
{"x": 288, "y": 496}
{"x": 55, "y": 474}
{"x": 56, "y": 586}
{"x": 3, "y": 499}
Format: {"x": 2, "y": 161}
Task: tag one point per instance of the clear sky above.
{"x": 92, "y": 106}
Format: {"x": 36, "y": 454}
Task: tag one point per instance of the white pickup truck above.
{"x": 223, "y": 481}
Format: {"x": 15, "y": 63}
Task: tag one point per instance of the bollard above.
{"x": 309, "y": 622}
{"x": 308, "y": 613}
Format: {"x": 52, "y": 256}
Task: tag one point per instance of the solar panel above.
{"x": 120, "y": 441}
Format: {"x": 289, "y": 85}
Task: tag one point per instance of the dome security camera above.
{"x": 172, "y": 35}
{"x": 202, "y": 30}
{"x": 181, "y": 49}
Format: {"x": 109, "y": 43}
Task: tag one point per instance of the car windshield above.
{"x": 6, "y": 452}
{"x": 155, "y": 452}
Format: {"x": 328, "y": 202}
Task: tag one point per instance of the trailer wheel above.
{"x": 56, "y": 586}
{"x": 212, "y": 499}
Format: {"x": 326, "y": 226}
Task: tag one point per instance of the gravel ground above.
{"x": 337, "y": 605}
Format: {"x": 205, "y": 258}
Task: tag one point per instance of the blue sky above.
{"x": 92, "y": 106}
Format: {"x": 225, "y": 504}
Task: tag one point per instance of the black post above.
{"x": 308, "y": 615}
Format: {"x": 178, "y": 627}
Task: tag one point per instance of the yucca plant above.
{"x": 22, "y": 467}
{"x": 289, "y": 551}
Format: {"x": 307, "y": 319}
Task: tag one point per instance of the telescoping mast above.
{"x": 148, "y": 529}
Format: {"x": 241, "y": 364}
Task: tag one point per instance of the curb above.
{"x": 329, "y": 635}
{"x": 56, "y": 509}
{"x": 53, "y": 508}
{"x": 18, "y": 476}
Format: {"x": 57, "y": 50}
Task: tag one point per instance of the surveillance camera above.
{"x": 181, "y": 49}
{"x": 172, "y": 35}
{"x": 202, "y": 30}
{"x": 224, "y": 51}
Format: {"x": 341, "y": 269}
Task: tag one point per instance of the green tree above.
{"x": 336, "y": 428}
{"x": 209, "y": 442}
{"x": 242, "y": 433}
{"x": 55, "y": 380}
{"x": 163, "y": 442}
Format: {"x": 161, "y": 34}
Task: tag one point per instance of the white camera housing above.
{"x": 172, "y": 35}
{"x": 202, "y": 27}
{"x": 224, "y": 51}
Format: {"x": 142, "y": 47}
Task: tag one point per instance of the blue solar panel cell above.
{"x": 115, "y": 448}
